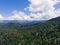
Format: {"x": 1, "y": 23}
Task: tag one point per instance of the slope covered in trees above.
{"x": 46, "y": 33}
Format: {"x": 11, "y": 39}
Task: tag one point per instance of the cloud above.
{"x": 1, "y": 17}
{"x": 19, "y": 15}
{"x": 39, "y": 10}
{"x": 45, "y": 9}
{"x": 46, "y": 15}
{"x": 42, "y": 5}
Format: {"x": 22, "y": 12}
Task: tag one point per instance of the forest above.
{"x": 45, "y": 33}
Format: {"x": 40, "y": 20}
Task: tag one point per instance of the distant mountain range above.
{"x": 27, "y": 22}
{"x": 24, "y": 22}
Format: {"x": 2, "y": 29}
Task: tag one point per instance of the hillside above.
{"x": 45, "y": 33}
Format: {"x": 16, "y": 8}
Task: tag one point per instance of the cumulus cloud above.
{"x": 42, "y": 5}
{"x": 45, "y": 9}
{"x": 19, "y": 15}
{"x": 46, "y": 15}
{"x": 39, "y": 10}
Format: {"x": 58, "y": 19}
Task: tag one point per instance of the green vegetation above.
{"x": 46, "y": 33}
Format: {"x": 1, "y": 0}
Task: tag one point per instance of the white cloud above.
{"x": 45, "y": 9}
{"x": 18, "y": 15}
{"x": 46, "y": 15}
{"x": 39, "y": 10}
{"x": 1, "y": 17}
{"x": 42, "y": 5}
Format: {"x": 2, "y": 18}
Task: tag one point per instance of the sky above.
{"x": 29, "y": 9}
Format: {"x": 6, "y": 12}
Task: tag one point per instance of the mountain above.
{"x": 41, "y": 33}
{"x": 55, "y": 19}
{"x": 24, "y": 22}
{"x": 52, "y": 22}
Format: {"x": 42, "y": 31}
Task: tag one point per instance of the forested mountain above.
{"x": 55, "y": 19}
{"x": 45, "y": 33}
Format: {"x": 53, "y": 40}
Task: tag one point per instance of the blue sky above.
{"x": 29, "y": 9}
{"x": 7, "y": 6}
{"x": 57, "y": 6}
